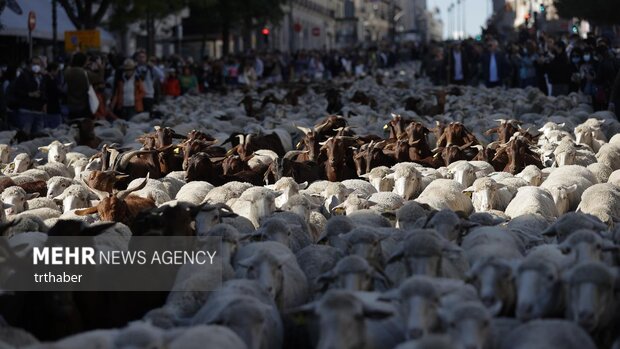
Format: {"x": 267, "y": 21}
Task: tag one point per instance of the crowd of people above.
{"x": 43, "y": 94}
{"x": 556, "y": 65}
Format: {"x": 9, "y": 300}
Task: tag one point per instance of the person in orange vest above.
{"x": 172, "y": 85}
{"x": 129, "y": 92}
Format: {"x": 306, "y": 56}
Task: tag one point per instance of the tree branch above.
{"x": 103, "y": 8}
{"x": 70, "y": 13}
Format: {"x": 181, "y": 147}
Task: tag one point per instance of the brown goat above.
{"x": 328, "y": 127}
{"x": 121, "y": 206}
{"x": 162, "y": 137}
{"x": 103, "y": 180}
{"x": 456, "y": 134}
{"x": 336, "y": 167}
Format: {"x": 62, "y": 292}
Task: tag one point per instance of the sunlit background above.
{"x": 476, "y": 13}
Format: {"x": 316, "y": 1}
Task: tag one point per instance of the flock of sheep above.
{"x": 457, "y": 255}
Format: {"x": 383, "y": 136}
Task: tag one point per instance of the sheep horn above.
{"x": 100, "y": 193}
{"x": 292, "y": 153}
{"x": 126, "y": 157}
{"x": 305, "y": 130}
{"x": 123, "y": 193}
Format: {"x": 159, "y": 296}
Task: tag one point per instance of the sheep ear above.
{"x": 68, "y": 145}
{"x": 325, "y": 278}
{"x": 469, "y": 190}
{"x": 377, "y": 310}
{"x": 32, "y": 196}
{"x": 390, "y": 175}
{"x": 365, "y": 175}
{"x": 246, "y": 263}
{"x": 609, "y": 246}
{"x": 389, "y": 215}
{"x": 443, "y": 315}
{"x": 86, "y": 211}
{"x": 338, "y": 210}
{"x": 5, "y": 205}
{"x": 396, "y": 256}
{"x": 303, "y": 185}
{"x": 44, "y": 149}
{"x": 571, "y": 188}
{"x": 451, "y": 251}
{"x": 390, "y": 295}
{"x": 301, "y": 313}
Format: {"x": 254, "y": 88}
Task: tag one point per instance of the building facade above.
{"x": 307, "y": 24}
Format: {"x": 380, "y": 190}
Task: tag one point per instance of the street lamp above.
{"x": 463, "y": 20}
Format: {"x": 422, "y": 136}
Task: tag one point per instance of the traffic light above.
{"x": 575, "y": 29}
{"x": 542, "y": 8}
{"x": 527, "y": 19}
{"x": 265, "y": 31}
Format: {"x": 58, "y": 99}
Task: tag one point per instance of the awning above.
{"x": 17, "y": 25}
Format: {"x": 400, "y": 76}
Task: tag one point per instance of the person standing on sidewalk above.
{"x": 77, "y": 80}
{"x": 31, "y": 101}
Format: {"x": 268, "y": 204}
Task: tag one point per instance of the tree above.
{"x": 148, "y": 11}
{"x": 604, "y": 12}
{"x": 228, "y": 14}
{"x": 86, "y": 14}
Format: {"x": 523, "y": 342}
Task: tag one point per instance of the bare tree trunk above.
{"x": 247, "y": 33}
{"x": 225, "y": 38}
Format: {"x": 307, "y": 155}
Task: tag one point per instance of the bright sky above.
{"x": 476, "y": 14}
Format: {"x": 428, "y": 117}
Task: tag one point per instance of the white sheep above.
{"x": 378, "y": 178}
{"x": 532, "y": 200}
{"x": 74, "y": 197}
{"x": 600, "y": 171}
{"x": 407, "y": 180}
{"x": 17, "y": 198}
{"x": 602, "y": 201}
{"x": 488, "y": 194}
{"x": 254, "y": 204}
{"x": 446, "y": 193}
{"x": 566, "y": 184}
{"x": 194, "y": 192}
{"x": 287, "y": 187}
{"x": 5, "y": 153}
{"x": 385, "y": 201}
{"x": 224, "y": 193}
{"x": 172, "y": 185}
{"x": 42, "y": 202}
{"x": 195, "y": 337}
{"x": 609, "y": 154}
{"x": 56, "y": 151}
{"x": 57, "y": 184}
{"x": 359, "y": 185}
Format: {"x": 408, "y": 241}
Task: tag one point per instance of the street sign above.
{"x": 32, "y": 23}
{"x": 82, "y": 40}
{"x": 316, "y": 31}
{"x": 297, "y": 27}
{"x": 32, "y": 20}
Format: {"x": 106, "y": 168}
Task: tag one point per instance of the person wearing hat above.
{"x": 129, "y": 92}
